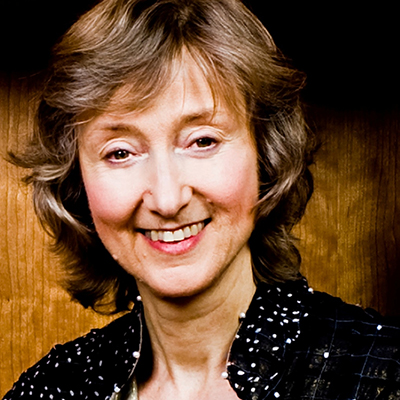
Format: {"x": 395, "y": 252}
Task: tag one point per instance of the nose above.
{"x": 167, "y": 193}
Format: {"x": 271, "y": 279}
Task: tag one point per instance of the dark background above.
{"x": 349, "y": 53}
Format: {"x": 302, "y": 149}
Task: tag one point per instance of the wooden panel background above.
{"x": 351, "y": 230}
{"x": 349, "y": 236}
{"x": 34, "y": 313}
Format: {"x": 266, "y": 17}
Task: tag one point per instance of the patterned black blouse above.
{"x": 291, "y": 344}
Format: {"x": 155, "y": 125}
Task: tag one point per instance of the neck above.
{"x": 192, "y": 336}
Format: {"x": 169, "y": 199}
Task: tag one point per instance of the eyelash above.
{"x": 203, "y": 145}
{"x": 122, "y": 155}
{"x": 118, "y": 155}
{"x": 118, "y": 152}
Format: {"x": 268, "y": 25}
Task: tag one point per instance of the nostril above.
{"x": 167, "y": 200}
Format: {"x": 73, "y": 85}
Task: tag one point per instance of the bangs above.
{"x": 146, "y": 84}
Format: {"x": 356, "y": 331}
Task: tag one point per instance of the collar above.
{"x": 265, "y": 337}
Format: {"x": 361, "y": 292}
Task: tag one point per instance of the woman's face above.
{"x": 172, "y": 188}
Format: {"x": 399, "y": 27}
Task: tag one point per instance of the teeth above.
{"x": 194, "y": 230}
{"x": 178, "y": 235}
{"x": 168, "y": 236}
{"x": 154, "y": 235}
{"x": 187, "y": 232}
{"x": 175, "y": 236}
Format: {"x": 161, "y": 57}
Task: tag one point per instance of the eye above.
{"x": 205, "y": 142}
{"x": 118, "y": 155}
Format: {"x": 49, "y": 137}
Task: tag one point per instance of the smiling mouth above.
{"x": 176, "y": 235}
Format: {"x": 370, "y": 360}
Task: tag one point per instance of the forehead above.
{"x": 182, "y": 79}
{"x": 188, "y": 100}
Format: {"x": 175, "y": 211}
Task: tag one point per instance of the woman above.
{"x": 170, "y": 164}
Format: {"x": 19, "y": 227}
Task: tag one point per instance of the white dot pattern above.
{"x": 292, "y": 343}
{"x": 87, "y": 368}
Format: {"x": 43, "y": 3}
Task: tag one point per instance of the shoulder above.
{"x": 311, "y": 345}
{"x": 346, "y": 345}
{"x": 93, "y": 363}
{"x": 337, "y": 317}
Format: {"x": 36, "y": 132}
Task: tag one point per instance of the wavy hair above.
{"x": 123, "y": 52}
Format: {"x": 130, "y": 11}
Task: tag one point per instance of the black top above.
{"x": 292, "y": 344}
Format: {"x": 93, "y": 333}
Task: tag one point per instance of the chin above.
{"x": 177, "y": 288}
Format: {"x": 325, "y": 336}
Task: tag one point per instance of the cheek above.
{"x": 235, "y": 185}
{"x": 242, "y": 183}
{"x": 109, "y": 202}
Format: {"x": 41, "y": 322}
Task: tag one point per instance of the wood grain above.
{"x": 349, "y": 237}
{"x": 351, "y": 230}
{"x": 35, "y": 313}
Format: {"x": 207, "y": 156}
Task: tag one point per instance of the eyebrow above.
{"x": 196, "y": 117}
{"x": 110, "y": 128}
{"x": 206, "y": 115}
{"x": 116, "y": 127}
